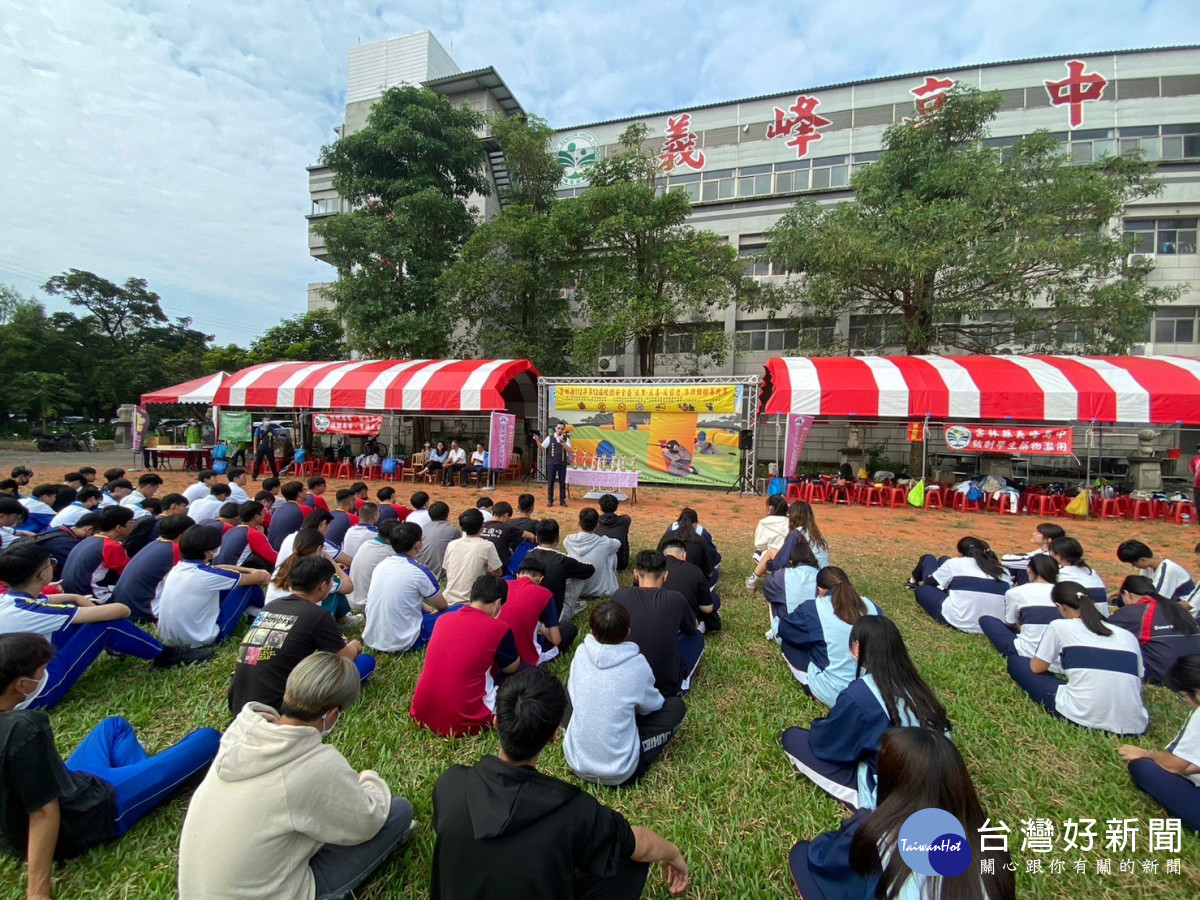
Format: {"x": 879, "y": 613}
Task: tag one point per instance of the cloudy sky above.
{"x": 168, "y": 139}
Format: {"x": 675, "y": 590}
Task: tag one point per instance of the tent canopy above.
{"x": 409, "y": 386}
{"x": 198, "y": 390}
{"x": 1159, "y": 390}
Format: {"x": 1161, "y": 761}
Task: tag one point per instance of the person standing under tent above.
{"x": 558, "y": 457}
{"x": 264, "y": 449}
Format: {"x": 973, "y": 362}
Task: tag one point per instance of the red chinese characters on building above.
{"x": 679, "y": 149}
{"x": 1076, "y": 89}
{"x": 801, "y": 125}
{"x": 931, "y": 96}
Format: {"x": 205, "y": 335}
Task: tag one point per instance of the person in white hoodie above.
{"x": 280, "y": 814}
{"x": 618, "y": 721}
{"x": 598, "y": 551}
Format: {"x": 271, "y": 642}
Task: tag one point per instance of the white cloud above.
{"x": 170, "y": 140}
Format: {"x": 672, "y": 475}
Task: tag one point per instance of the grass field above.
{"x": 723, "y": 790}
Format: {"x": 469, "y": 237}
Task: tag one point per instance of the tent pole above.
{"x": 924, "y": 447}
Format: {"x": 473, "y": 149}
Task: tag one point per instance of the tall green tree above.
{"x": 955, "y": 245}
{"x": 314, "y": 335}
{"x": 507, "y": 286}
{"x": 640, "y": 269}
{"x": 407, "y": 176}
{"x": 42, "y": 394}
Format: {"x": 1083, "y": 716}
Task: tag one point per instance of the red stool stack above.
{"x": 1111, "y": 508}
{"x": 1042, "y": 505}
{"x": 895, "y": 496}
{"x": 933, "y": 499}
{"x": 962, "y": 503}
{"x": 1141, "y": 509}
{"x": 1179, "y": 509}
{"x": 869, "y": 495}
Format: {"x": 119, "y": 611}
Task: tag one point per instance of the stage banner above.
{"x": 669, "y": 433}
{"x": 236, "y": 427}
{"x": 137, "y": 428}
{"x": 796, "y": 434}
{"x": 1036, "y": 440}
{"x": 666, "y": 398}
{"x": 346, "y": 423}
{"x": 501, "y": 432}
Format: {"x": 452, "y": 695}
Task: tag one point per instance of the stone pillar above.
{"x": 1145, "y": 468}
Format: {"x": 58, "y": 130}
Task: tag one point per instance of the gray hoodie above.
{"x": 599, "y": 551}
{"x": 610, "y": 685}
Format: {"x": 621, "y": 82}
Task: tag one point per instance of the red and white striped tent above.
{"x": 471, "y": 386}
{"x": 1157, "y": 390}
{"x": 198, "y": 390}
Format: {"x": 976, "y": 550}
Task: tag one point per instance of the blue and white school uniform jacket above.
{"x": 780, "y": 559}
{"x": 970, "y": 593}
{"x": 41, "y": 615}
{"x": 1104, "y": 676}
{"x": 791, "y": 587}
{"x": 1170, "y": 579}
{"x": 815, "y": 628}
{"x": 1187, "y": 744}
{"x": 1029, "y": 606}
{"x": 40, "y": 515}
{"x": 1090, "y": 581}
{"x": 851, "y": 732}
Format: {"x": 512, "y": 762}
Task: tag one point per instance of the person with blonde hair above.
{"x": 280, "y": 813}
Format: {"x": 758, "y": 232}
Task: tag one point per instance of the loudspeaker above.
{"x": 746, "y": 439}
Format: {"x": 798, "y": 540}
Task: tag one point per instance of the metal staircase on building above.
{"x": 501, "y": 179}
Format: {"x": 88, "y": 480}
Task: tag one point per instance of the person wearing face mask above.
{"x": 51, "y": 810}
{"x": 282, "y": 814}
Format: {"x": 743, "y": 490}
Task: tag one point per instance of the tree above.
{"x": 42, "y": 394}
{"x": 507, "y": 286}
{"x": 639, "y": 268}
{"x": 315, "y": 335}
{"x": 949, "y": 243}
{"x": 407, "y": 176}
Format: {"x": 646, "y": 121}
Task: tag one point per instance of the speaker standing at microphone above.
{"x": 558, "y": 457}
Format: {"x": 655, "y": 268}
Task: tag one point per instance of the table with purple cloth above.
{"x": 605, "y": 479}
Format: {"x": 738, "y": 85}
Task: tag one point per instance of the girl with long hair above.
{"x": 956, "y": 592}
{"x": 816, "y": 636}
{"x": 1165, "y": 629}
{"x": 434, "y": 461}
{"x": 1172, "y": 776}
{"x": 918, "y": 769}
{"x": 772, "y": 528}
{"x": 1028, "y": 609}
{"x": 1068, "y": 553}
{"x": 310, "y": 542}
{"x": 802, "y": 526}
{"x": 789, "y": 587}
{"x": 838, "y": 752}
{"x": 1103, "y": 667}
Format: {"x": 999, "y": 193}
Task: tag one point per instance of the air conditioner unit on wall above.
{"x": 607, "y": 365}
{"x": 1135, "y": 258}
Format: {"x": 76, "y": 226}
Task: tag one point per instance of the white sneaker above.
{"x": 751, "y": 582}
{"x": 352, "y": 621}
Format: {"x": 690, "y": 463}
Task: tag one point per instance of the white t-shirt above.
{"x": 975, "y": 594}
{"x": 398, "y": 587}
{"x": 237, "y": 494}
{"x": 477, "y": 457}
{"x": 419, "y": 516}
{"x": 69, "y": 515}
{"x": 1090, "y": 581}
{"x": 205, "y": 508}
{"x": 1104, "y": 676}
{"x": 134, "y": 501}
{"x": 285, "y": 552}
{"x": 196, "y": 491}
{"x": 191, "y": 600}
{"x": 362, "y": 569}
{"x": 457, "y": 457}
{"x": 356, "y": 536}
{"x": 466, "y": 559}
{"x": 1032, "y": 603}
{"x": 1187, "y": 744}
{"x": 1168, "y": 578}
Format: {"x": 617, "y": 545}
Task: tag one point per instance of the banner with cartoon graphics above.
{"x": 1024, "y": 439}
{"x": 670, "y": 433}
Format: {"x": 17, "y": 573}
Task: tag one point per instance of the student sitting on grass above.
{"x": 686, "y": 579}
{"x": 772, "y": 529}
{"x": 59, "y": 542}
{"x": 51, "y": 810}
{"x": 1165, "y": 629}
{"x": 701, "y": 551}
{"x": 96, "y": 563}
{"x": 662, "y": 625}
{"x": 140, "y": 585}
{"x": 201, "y": 604}
{"x": 802, "y": 526}
{"x": 246, "y": 544}
{"x": 367, "y": 560}
{"x": 311, "y": 542}
{"x": 40, "y": 504}
{"x": 618, "y": 723}
{"x": 365, "y": 530}
{"x": 816, "y": 636}
{"x": 1172, "y": 776}
{"x": 838, "y": 753}
{"x": 531, "y": 613}
{"x": 288, "y": 630}
{"x": 456, "y": 691}
{"x": 919, "y": 770}
{"x": 957, "y": 592}
{"x": 1068, "y": 553}
{"x": 1103, "y": 668}
{"x": 612, "y": 524}
{"x": 790, "y": 585}
{"x": 282, "y": 814}
{"x": 343, "y": 516}
{"x": 1028, "y": 609}
{"x": 1169, "y": 577}
{"x": 598, "y": 551}
{"x": 401, "y": 589}
{"x": 78, "y": 627}
{"x": 1044, "y": 535}
{"x": 501, "y": 822}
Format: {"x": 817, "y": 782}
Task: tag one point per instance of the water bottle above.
{"x": 1186, "y": 519}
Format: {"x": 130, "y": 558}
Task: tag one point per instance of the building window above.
{"x": 717, "y": 185}
{"x": 766, "y": 336}
{"x": 830, "y": 172}
{"x": 1173, "y": 325}
{"x": 876, "y": 331}
{"x": 686, "y": 338}
{"x": 1166, "y": 237}
{"x": 755, "y": 267}
{"x": 324, "y": 207}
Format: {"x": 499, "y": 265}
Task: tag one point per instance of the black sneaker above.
{"x": 183, "y": 656}
{"x": 910, "y": 585}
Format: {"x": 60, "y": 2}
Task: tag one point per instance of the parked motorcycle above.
{"x": 63, "y": 443}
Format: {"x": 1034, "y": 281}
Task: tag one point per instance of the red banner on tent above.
{"x": 344, "y": 423}
{"x": 1026, "y": 439}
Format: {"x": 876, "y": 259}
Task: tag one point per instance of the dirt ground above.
{"x": 896, "y": 534}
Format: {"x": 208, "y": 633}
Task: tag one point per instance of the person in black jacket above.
{"x": 559, "y": 566}
{"x": 615, "y": 526}
{"x": 59, "y": 542}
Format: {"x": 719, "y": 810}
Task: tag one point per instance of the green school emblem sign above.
{"x": 577, "y": 152}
